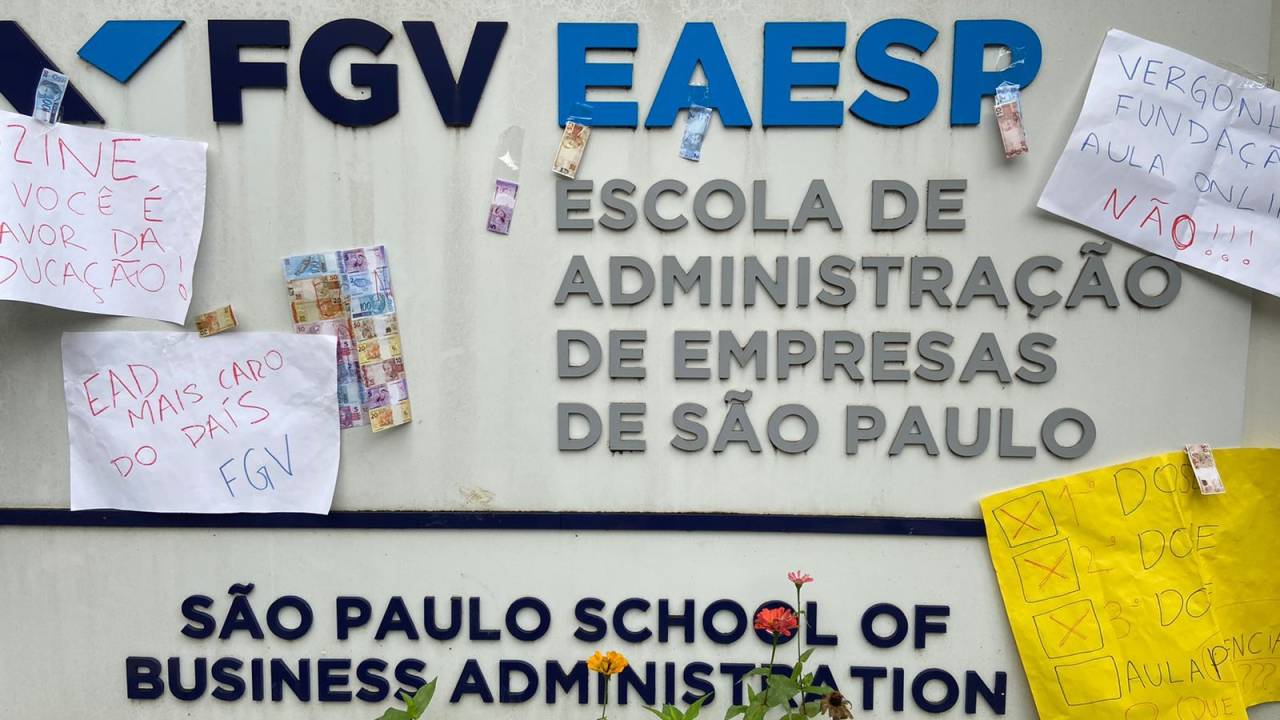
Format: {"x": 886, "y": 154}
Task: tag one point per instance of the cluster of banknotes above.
{"x": 49, "y": 92}
{"x": 216, "y": 321}
{"x": 1008, "y": 105}
{"x": 348, "y": 294}
{"x": 573, "y": 143}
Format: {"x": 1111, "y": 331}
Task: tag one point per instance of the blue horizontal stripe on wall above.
{"x": 571, "y": 521}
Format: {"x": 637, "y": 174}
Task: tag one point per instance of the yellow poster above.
{"x": 1133, "y": 596}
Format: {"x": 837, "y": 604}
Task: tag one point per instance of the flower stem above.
{"x": 804, "y": 622}
{"x": 604, "y": 703}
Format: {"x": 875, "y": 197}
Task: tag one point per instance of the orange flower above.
{"x": 610, "y": 664}
{"x": 779, "y": 621}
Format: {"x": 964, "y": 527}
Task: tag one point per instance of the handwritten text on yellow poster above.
{"x": 1132, "y": 596}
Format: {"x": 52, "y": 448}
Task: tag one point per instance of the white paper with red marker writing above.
{"x": 1178, "y": 157}
{"x": 172, "y": 422}
{"x": 99, "y": 221}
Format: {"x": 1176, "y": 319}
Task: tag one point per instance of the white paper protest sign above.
{"x": 1178, "y": 157}
{"x": 172, "y": 422}
{"x": 99, "y": 221}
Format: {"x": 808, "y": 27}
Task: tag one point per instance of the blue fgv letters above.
{"x": 699, "y": 45}
{"x": 970, "y": 82}
{"x": 573, "y": 40}
{"x": 782, "y": 73}
{"x": 875, "y": 62}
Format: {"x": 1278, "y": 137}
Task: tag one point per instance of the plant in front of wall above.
{"x": 671, "y": 712}
{"x": 784, "y": 696}
{"x": 415, "y": 704}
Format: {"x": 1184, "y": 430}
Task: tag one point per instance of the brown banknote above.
{"x": 216, "y": 321}
{"x": 572, "y": 145}
{"x": 325, "y": 287}
{"x": 1012, "y": 134}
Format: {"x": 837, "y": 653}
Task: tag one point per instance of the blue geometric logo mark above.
{"x": 121, "y": 47}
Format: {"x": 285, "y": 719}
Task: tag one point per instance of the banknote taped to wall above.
{"x": 503, "y": 207}
{"x": 506, "y": 168}
{"x": 1008, "y": 110}
{"x": 697, "y": 122}
{"x": 573, "y": 141}
{"x": 347, "y": 294}
{"x": 695, "y": 131}
{"x": 1133, "y": 595}
{"x": 49, "y": 93}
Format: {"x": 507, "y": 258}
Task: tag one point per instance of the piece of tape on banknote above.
{"x": 1007, "y": 92}
{"x": 506, "y": 164}
{"x": 506, "y": 184}
{"x": 582, "y": 113}
{"x": 1009, "y": 57}
{"x": 1132, "y": 595}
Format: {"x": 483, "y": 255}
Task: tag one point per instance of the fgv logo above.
{"x": 119, "y": 48}
{"x": 122, "y": 49}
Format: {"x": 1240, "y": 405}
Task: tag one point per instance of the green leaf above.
{"x": 817, "y": 690}
{"x": 759, "y": 671}
{"x": 755, "y": 712}
{"x": 695, "y": 708}
{"x": 812, "y": 709}
{"x": 394, "y": 714}
{"x": 734, "y": 711}
{"x": 420, "y": 700}
{"x": 409, "y": 704}
{"x": 804, "y": 657}
{"x": 781, "y": 690}
{"x": 789, "y": 686}
{"x": 655, "y": 712}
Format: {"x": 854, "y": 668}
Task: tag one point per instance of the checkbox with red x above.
{"x": 1069, "y": 630}
{"x": 1026, "y": 519}
{"x": 1048, "y": 571}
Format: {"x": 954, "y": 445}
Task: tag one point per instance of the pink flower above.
{"x": 799, "y": 578}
